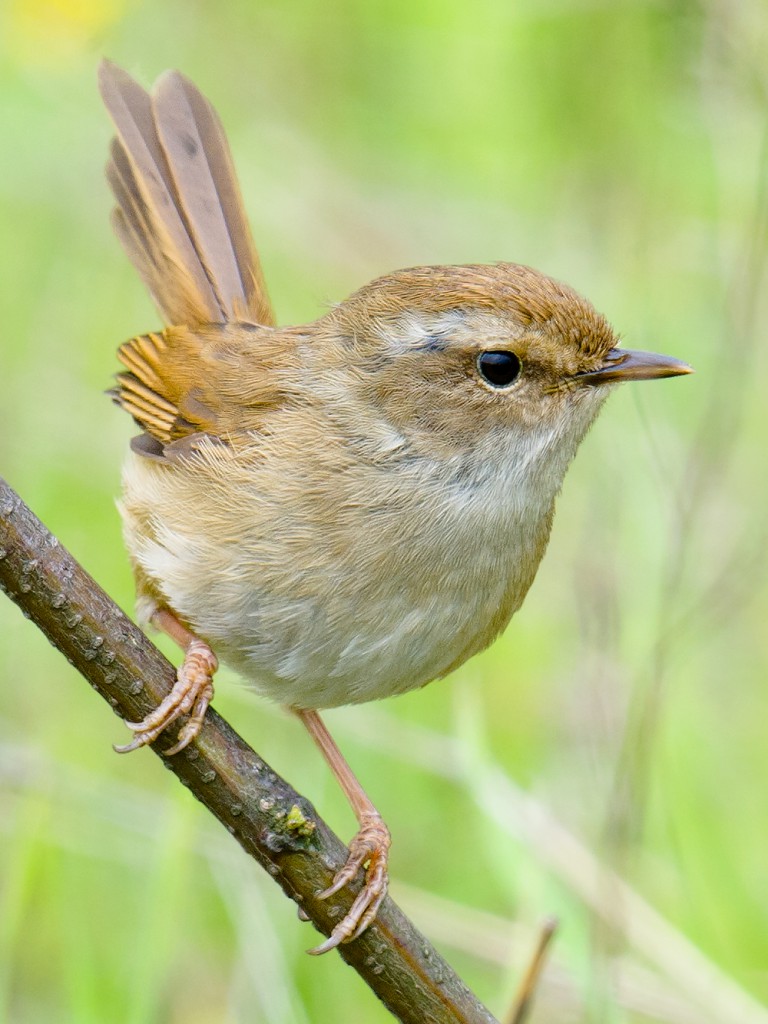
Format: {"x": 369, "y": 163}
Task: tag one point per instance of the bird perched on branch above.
{"x": 347, "y": 509}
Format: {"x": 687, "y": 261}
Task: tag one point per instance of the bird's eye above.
{"x": 499, "y": 369}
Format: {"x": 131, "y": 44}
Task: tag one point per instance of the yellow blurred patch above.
{"x": 52, "y": 32}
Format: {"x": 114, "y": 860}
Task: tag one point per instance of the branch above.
{"x": 271, "y": 821}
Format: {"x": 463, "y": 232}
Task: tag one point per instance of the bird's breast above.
{"x": 331, "y": 587}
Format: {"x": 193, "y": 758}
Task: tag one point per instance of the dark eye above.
{"x": 500, "y": 369}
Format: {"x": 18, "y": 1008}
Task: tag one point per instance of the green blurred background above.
{"x": 607, "y": 759}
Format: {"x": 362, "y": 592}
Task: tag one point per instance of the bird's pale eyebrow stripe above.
{"x": 415, "y": 331}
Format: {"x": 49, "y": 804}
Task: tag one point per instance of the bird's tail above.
{"x": 179, "y": 212}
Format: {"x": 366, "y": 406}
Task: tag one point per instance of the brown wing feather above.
{"x": 220, "y": 380}
{"x": 147, "y": 408}
{"x": 179, "y": 212}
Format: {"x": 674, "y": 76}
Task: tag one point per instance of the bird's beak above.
{"x": 625, "y": 364}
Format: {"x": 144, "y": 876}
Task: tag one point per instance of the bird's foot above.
{"x": 191, "y": 694}
{"x": 369, "y": 847}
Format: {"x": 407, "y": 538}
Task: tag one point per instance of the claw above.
{"x": 371, "y": 846}
{"x": 186, "y": 735}
{"x": 192, "y": 692}
{"x": 126, "y": 748}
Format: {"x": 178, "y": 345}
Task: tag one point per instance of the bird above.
{"x": 343, "y": 510}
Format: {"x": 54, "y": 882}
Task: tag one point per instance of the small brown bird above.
{"x": 345, "y": 510}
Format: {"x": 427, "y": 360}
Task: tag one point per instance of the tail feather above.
{"x": 180, "y": 296}
{"x": 179, "y": 211}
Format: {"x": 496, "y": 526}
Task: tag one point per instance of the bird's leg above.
{"x": 191, "y": 693}
{"x": 369, "y": 847}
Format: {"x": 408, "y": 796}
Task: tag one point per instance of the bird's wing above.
{"x": 220, "y": 381}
